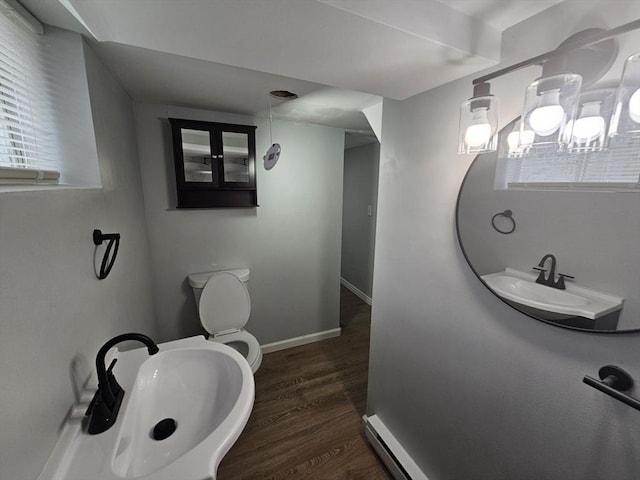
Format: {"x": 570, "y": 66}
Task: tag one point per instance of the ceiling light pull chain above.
{"x": 273, "y": 153}
{"x": 270, "y": 120}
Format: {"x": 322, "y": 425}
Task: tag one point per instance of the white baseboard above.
{"x": 303, "y": 340}
{"x": 393, "y": 455}
{"x": 356, "y": 291}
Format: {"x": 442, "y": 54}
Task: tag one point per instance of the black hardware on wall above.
{"x": 113, "y": 239}
{"x": 507, "y": 214}
{"x": 613, "y": 381}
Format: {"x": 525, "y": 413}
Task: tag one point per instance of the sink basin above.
{"x": 553, "y": 303}
{"x": 205, "y": 388}
{"x": 534, "y": 292}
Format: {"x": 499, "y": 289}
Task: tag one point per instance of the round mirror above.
{"x": 557, "y": 235}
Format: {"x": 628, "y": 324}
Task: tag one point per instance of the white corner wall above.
{"x": 54, "y": 313}
{"x": 291, "y": 242}
{"x": 70, "y": 111}
{"x": 471, "y": 388}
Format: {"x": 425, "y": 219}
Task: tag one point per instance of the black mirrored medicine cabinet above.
{"x": 215, "y": 164}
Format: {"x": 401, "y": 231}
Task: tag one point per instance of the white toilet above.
{"x": 224, "y": 307}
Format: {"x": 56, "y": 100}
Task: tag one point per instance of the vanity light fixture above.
{"x": 549, "y": 105}
{"x": 634, "y": 106}
{"x": 590, "y": 125}
{"x": 588, "y": 132}
{"x": 554, "y": 113}
{"x": 479, "y": 121}
{"x": 518, "y": 142}
{"x": 626, "y": 115}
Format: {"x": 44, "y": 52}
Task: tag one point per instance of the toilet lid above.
{"x": 224, "y": 303}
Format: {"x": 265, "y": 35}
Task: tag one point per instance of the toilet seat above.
{"x": 254, "y": 355}
{"x": 224, "y": 310}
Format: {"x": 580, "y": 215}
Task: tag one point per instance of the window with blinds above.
{"x": 616, "y": 168}
{"x": 27, "y": 150}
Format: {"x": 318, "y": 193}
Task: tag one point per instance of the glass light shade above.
{"x": 516, "y": 143}
{"x": 549, "y": 105}
{"x": 547, "y": 117}
{"x": 478, "y": 134}
{"x": 588, "y": 132}
{"x": 626, "y": 115}
{"x": 478, "y": 125}
{"x": 588, "y": 128}
{"x": 634, "y": 106}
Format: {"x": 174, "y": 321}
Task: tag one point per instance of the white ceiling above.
{"x": 390, "y": 48}
{"x": 228, "y": 54}
{"x": 501, "y": 14}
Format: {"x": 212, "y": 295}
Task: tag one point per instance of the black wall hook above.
{"x": 107, "y": 264}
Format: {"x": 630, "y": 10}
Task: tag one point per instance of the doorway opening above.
{"x": 359, "y": 208}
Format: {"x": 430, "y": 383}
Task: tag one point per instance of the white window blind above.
{"x": 27, "y": 150}
{"x": 616, "y": 168}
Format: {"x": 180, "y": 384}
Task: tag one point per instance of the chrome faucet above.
{"x": 103, "y": 409}
{"x": 550, "y": 279}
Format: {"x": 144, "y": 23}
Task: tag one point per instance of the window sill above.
{"x": 44, "y": 187}
{"x": 575, "y": 186}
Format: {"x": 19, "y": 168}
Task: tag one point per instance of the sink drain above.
{"x": 164, "y": 429}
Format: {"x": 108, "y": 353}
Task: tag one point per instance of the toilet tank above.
{"x": 199, "y": 280}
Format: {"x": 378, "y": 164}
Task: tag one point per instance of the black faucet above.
{"x": 103, "y": 409}
{"x": 550, "y": 279}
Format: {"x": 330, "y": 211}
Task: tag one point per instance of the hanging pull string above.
{"x": 270, "y": 119}
{"x": 273, "y": 152}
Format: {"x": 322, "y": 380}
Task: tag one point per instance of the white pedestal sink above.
{"x": 205, "y": 387}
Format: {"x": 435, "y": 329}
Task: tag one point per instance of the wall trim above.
{"x": 356, "y": 291}
{"x": 302, "y": 340}
{"x": 391, "y": 452}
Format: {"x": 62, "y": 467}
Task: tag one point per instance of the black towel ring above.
{"x": 107, "y": 264}
{"x": 506, "y": 214}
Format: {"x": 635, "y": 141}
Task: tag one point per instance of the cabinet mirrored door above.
{"x": 235, "y": 160}
{"x": 215, "y": 164}
{"x": 196, "y": 156}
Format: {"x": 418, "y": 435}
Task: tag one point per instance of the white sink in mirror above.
{"x": 548, "y": 302}
{"x": 205, "y": 388}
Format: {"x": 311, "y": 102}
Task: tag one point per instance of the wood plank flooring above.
{"x": 306, "y": 420}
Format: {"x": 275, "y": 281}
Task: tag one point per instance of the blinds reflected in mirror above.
{"x": 617, "y": 168}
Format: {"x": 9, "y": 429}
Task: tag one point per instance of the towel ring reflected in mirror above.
{"x": 508, "y": 215}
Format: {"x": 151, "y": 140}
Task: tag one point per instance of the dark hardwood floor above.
{"x": 306, "y": 420}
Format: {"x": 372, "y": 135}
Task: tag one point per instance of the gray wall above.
{"x": 358, "y": 228}
{"x": 54, "y": 313}
{"x": 470, "y": 387}
{"x": 291, "y": 242}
